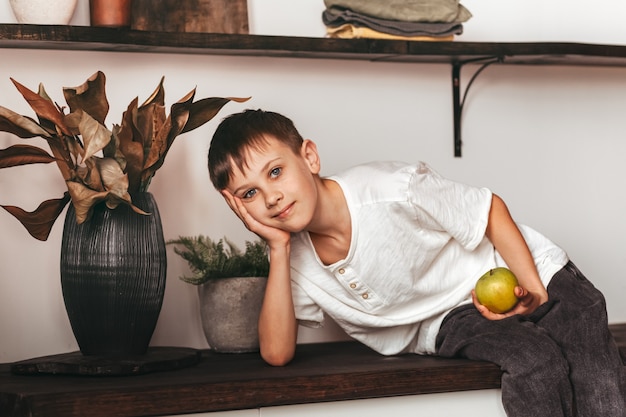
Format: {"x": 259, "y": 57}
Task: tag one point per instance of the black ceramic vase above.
{"x": 113, "y": 270}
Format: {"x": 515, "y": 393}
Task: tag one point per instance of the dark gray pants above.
{"x": 559, "y": 361}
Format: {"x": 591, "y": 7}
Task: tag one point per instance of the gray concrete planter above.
{"x": 229, "y": 309}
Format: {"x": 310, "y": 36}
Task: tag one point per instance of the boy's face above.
{"x": 278, "y": 187}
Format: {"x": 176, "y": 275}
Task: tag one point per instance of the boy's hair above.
{"x": 240, "y": 132}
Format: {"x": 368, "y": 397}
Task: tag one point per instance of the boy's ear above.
{"x": 310, "y": 155}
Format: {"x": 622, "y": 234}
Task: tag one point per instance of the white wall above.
{"x": 549, "y": 140}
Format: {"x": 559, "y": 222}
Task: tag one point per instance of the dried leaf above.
{"x": 179, "y": 115}
{"x": 63, "y": 158}
{"x": 188, "y": 98}
{"x": 43, "y": 107}
{"x": 26, "y": 127}
{"x": 185, "y": 116}
{"x": 206, "y": 109}
{"x": 113, "y": 178}
{"x": 158, "y": 139}
{"x": 43, "y": 93}
{"x": 126, "y": 132}
{"x": 72, "y": 121}
{"x": 71, "y": 149}
{"x": 84, "y": 199}
{"x": 95, "y": 135}
{"x": 112, "y": 150}
{"x": 90, "y": 176}
{"x": 19, "y": 125}
{"x": 113, "y": 201}
{"x": 17, "y": 155}
{"x": 48, "y": 125}
{"x": 89, "y": 97}
{"x": 149, "y": 122}
{"x": 158, "y": 96}
{"x": 39, "y": 222}
{"x": 131, "y": 152}
{"x": 131, "y": 149}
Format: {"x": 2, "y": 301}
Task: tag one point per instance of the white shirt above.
{"x": 418, "y": 246}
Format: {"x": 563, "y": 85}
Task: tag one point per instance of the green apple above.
{"x": 496, "y": 290}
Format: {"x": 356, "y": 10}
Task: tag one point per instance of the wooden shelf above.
{"x": 457, "y": 54}
{"x": 126, "y": 40}
{"x": 319, "y": 373}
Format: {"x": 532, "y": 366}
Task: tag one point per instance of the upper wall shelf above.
{"x": 456, "y": 53}
{"x": 110, "y": 39}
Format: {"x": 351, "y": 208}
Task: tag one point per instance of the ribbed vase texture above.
{"x": 113, "y": 270}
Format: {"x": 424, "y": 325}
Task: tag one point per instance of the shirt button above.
{"x": 342, "y": 271}
{"x": 353, "y": 285}
{"x": 365, "y": 296}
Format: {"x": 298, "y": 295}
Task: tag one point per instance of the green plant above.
{"x": 208, "y": 259}
{"x": 131, "y": 152}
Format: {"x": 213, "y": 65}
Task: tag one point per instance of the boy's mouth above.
{"x": 284, "y": 212}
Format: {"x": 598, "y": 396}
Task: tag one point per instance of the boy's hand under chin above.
{"x": 272, "y": 236}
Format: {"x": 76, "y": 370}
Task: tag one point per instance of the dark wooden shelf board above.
{"x": 320, "y": 373}
{"x": 126, "y": 40}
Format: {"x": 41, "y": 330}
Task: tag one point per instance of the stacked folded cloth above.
{"x": 433, "y": 20}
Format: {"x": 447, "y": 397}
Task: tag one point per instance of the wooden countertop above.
{"x": 321, "y": 372}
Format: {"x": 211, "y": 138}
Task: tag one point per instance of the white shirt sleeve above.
{"x": 460, "y": 210}
{"x": 308, "y": 313}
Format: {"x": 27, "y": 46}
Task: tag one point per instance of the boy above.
{"x": 392, "y": 251}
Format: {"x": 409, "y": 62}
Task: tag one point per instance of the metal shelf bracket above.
{"x": 458, "y": 101}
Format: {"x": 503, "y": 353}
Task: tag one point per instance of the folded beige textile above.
{"x": 407, "y": 10}
{"x": 336, "y": 16}
{"x": 349, "y": 31}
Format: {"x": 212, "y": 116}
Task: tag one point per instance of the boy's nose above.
{"x": 273, "y": 198}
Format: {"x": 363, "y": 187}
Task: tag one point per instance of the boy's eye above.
{"x": 275, "y": 172}
{"x": 249, "y": 194}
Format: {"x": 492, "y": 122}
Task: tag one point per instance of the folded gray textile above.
{"x": 407, "y": 10}
{"x": 336, "y": 16}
